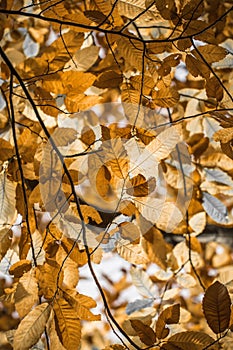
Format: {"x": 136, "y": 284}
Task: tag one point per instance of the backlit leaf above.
{"x": 7, "y": 200}
{"x": 191, "y": 340}
{"x": 217, "y": 307}
{"x": 214, "y": 208}
{"x": 142, "y": 282}
{"x": 68, "y": 325}
{"x": 31, "y": 327}
{"x": 210, "y": 52}
{"x": 165, "y": 97}
{"x": 5, "y": 241}
{"x": 109, "y": 79}
{"x": 169, "y": 315}
{"x": 145, "y": 333}
{"x": 139, "y": 187}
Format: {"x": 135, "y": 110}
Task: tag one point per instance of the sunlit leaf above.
{"x": 68, "y": 325}
{"x": 7, "y": 200}
{"x": 31, "y": 327}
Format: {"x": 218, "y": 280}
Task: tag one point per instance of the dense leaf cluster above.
{"x": 115, "y": 130}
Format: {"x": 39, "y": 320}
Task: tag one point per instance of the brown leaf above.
{"x": 165, "y": 96}
{"x": 167, "y": 9}
{"x": 145, "y": 333}
{"x": 168, "y": 316}
{"x": 87, "y": 136}
{"x": 7, "y": 150}
{"x": 108, "y": 79}
{"x": 20, "y": 267}
{"x": 138, "y": 186}
{"x": 190, "y": 341}
{"x": 196, "y": 67}
{"x": 211, "y": 53}
{"x": 103, "y": 178}
{"x": 217, "y": 307}
{"x": 214, "y": 89}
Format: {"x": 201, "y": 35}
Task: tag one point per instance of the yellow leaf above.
{"x": 148, "y": 84}
{"x": 65, "y": 82}
{"x": 7, "y": 201}
{"x": 129, "y": 231}
{"x": 31, "y": 327}
{"x": 88, "y": 136}
{"x": 165, "y": 142}
{"x": 26, "y": 294}
{"x": 130, "y": 252}
{"x": 39, "y": 252}
{"x": 116, "y": 157}
{"x": 224, "y": 135}
{"x": 55, "y": 343}
{"x": 76, "y": 102}
{"x": 186, "y": 280}
{"x": 68, "y": 325}
{"x": 47, "y": 276}
{"x": 103, "y": 178}
{"x": 165, "y": 215}
{"x": 132, "y": 50}
{"x": 131, "y": 99}
{"x": 57, "y": 54}
{"x": 214, "y": 89}
{"x": 90, "y": 213}
{"x": 155, "y": 246}
{"x": 64, "y": 136}
{"x": 81, "y": 305}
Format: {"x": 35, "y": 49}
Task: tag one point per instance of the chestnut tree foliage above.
{"x": 116, "y": 130}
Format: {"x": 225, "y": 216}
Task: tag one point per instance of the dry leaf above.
{"x": 31, "y": 327}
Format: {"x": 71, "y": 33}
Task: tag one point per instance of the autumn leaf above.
{"x": 217, "y": 307}
{"x": 190, "y": 340}
{"x": 145, "y": 333}
{"x": 139, "y": 187}
{"x": 165, "y": 97}
{"x": 168, "y": 316}
{"x": 67, "y": 323}
{"x": 31, "y": 327}
{"x": 210, "y": 52}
